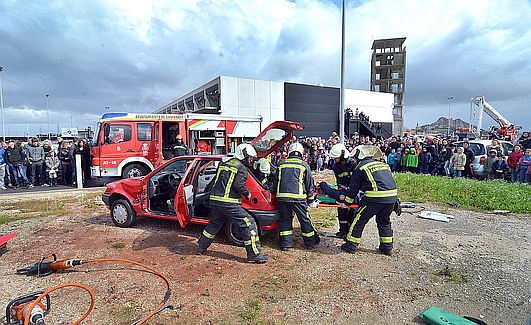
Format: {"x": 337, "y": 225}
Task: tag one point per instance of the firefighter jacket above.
{"x": 230, "y": 183}
{"x": 180, "y": 149}
{"x": 343, "y": 172}
{"x": 294, "y": 180}
{"x": 375, "y": 179}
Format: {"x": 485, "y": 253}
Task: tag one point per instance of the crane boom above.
{"x": 506, "y": 130}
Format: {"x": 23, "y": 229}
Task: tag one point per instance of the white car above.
{"x": 481, "y": 149}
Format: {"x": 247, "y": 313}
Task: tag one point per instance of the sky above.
{"x": 96, "y": 56}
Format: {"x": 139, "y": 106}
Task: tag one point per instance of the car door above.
{"x": 184, "y": 198}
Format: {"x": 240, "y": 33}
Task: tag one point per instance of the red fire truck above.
{"x": 129, "y": 145}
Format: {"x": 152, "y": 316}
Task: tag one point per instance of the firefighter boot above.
{"x": 349, "y": 247}
{"x": 262, "y": 258}
{"x": 386, "y": 249}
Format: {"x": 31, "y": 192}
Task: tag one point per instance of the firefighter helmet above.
{"x": 362, "y": 152}
{"x": 296, "y": 147}
{"x": 244, "y": 150}
{"x": 263, "y": 165}
{"x": 339, "y": 150}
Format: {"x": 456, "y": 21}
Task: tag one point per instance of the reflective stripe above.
{"x": 386, "y": 193}
{"x": 291, "y": 196}
{"x": 208, "y": 235}
{"x": 254, "y": 240}
{"x": 224, "y": 199}
{"x": 286, "y": 233}
{"x": 247, "y": 242}
{"x": 341, "y": 222}
{"x": 247, "y": 221}
{"x": 293, "y": 163}
{"x": 386, "y": 240}
{"x": 349, "y": 200}
{"x": 308, "y": 234}
{"x": 350, "y": 238}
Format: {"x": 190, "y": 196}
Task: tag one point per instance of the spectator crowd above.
{"x": 35, "y": 163}
{"x": 435, "y": 156}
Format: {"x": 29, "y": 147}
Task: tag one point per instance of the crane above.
{"x": 505, "y": 131}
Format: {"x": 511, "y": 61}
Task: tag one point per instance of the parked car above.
{"x": 481, "y": 149}
{"x": 179, "y": 189}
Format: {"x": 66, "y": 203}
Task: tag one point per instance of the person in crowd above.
{"x": 66, "y": 163}
{"x": 15, "y": 159}
{"x": 487, "y": 165}
{"x": 459, "y": 162}
{"x": 52, "y": 167}
{"x": 36, "y": 158}
{"x": 525, "y": 170}
{"x": 225, "y": 203}
{"x": 440, "y": 162}
{"x": 412, "y": 160}
{"x": 2, "y": 166}
{"x": 424, "y": 162}
{"x": 295, "y": 191}
{"x": 375, "y": 180}
{"x": 47, "y": 147}
{"x": 512, "y": 162}
{"x": 525, "y": 141}
{"x": 470, "y": 156}
{"x": 391, "y": 157}
{"x": 398, "y": 158}
{"x": 180, "y": 148}
{"x": 84, "y": 151}
{"x": 499, "y": 167}
{"x": 72, "y": 155}
{"x": 497, "y": 146}
{"x": 448, "y": 164}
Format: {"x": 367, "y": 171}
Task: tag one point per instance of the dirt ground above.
{"x": 478, "y": 265}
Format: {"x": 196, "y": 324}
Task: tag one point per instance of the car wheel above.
{"x": 233, "y": 233}
{"x": 122, "y": 213}
{"x": 134, "y": 170}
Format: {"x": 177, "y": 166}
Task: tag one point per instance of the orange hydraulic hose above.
{"x": 82, "y": 286}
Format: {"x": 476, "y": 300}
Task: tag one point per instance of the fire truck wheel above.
{"x": 122, "y": 214}
{"x": 134, "y": 170}
{"x": 234, "y": 233}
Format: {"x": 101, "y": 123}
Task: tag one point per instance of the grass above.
{"x": 451, "y": 275}
{"x": 118, "y": 245}
{"x": 251, "y": 311}
{"x": 468, "y": 193}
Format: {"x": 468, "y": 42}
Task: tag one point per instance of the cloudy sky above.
{"x": 136, "y": 56}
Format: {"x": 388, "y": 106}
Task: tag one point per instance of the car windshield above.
{"x": 269, "y": 139}
{"x": 177, "y": 166}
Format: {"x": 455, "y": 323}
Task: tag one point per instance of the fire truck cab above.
{"x": 130, "y": 145}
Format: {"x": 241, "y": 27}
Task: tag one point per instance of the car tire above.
{"x": 122, "y": 213}
{"x": 233, "y": 233}
{"x": 134, "y": 170}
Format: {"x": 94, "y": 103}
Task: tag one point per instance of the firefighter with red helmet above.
{"x": 225, "y": 203}
{"x": 343, "y": 169}
{"x": 294, "y": 191}
{"x": 375, "y": 180}
{"x": 180, "y": 148}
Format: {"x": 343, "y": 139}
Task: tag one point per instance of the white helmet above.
{"x": 244, "y": 151}
{"x": 296, "y": 147}
{"x": 339, "y": 150}
{"x": 263, "y": 165}
{"x": 362, "y": 152}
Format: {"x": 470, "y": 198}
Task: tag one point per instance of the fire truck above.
{"x": 129, "y": 145}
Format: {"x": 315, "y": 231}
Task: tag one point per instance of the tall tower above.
{"x": 388, "y": 74}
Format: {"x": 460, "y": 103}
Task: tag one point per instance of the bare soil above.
{"x": 476, "y": 265}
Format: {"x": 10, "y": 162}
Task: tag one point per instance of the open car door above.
{"x": 184, "y": 197}
{"x": 274, "y": 136}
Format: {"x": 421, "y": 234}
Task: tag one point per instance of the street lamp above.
{"x": 449, "y": 101}
{"x": 2, "y": 106}
{"x": 48, "y": 114}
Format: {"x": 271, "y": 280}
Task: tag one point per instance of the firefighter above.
{"x": 343, "y": 168}
{"x": 180, "y": 148}
{"x": 262, "y": 171}
{"x": 226, "y": 203}
{"x": 295, "y": 189}
{"x": 375, "y": 180}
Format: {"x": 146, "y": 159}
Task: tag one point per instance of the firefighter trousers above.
{"x": 235, "y": 213}
{"x": 345, "y": 217}
{"x": 383, "y": 221}
{"x": 309, "y": 234}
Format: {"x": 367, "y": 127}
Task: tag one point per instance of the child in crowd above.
{"x": 499, "y": 167}
{"x": 489, "y": 161}
{"x": 52, "y": 166}
{"x": 412, "y": 160}
{"x": 398, "y": 158}
{"x": 391, "y": 159}
{"x": 459, "y": 161}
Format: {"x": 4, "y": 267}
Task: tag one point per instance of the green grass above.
{"x": 468, "y": 193}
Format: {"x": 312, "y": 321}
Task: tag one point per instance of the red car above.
{"x": 178, "y": 189}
